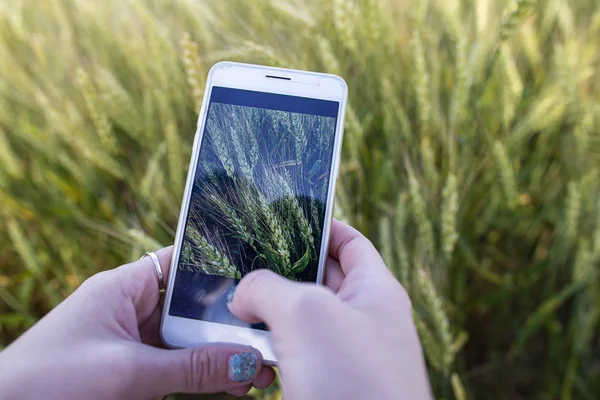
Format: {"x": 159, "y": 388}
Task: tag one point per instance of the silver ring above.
{"x": 158, "y": 268}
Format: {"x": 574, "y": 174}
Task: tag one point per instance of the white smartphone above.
{"x": 259, "y": 194}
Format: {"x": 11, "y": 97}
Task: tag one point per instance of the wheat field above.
{"x": 471, "y": 159}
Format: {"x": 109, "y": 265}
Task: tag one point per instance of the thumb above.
{"x": 216, "y": 367}
{"x": 263, "y": 296}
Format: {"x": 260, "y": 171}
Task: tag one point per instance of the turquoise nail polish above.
{"x": 243, "y": 367}
{"x": 230, "y": 294}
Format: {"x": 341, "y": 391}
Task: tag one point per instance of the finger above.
{"x": 355, "y": 253}
{"x": 263, "y": 296}
{"x": 241, "y": 391}
{"x": 367, "y": 284}
{"x": 164, "y": 257}
{"x": 334, "y": 276}
{"x": 212, "y": 368}
{"x": 149, "y": 330}
{"x": 265, "y": 378}
{"x": 139, "y": 281}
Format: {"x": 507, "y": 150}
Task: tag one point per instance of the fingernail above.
{"x": 243, "y": 366}
{"x": 230, "y": 294}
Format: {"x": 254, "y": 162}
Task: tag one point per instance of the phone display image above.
{"x": 258, "y": 199}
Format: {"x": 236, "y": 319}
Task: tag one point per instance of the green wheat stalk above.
{"x": 343, "y": 20}
{"x": 190, "y": 56}
{"x": 281, "y": 245}
{"x": 573, "y": 210}
{"x": 432, "y": 347}
{"x": 506, "y": 173}
{"x": 297, "y": 212}
{"x": 449, "y": 212}
{"x": 100, "y": 120}
{"x": 217, "y": 262}
{"x": 420, "y": 214}
{"x": 438, "y": 315}
{"x": 221, "y": 148}
{"x": 421, "y": 84}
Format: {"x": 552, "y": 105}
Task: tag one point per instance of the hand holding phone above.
{"x": 353, "y": 339}
{"x": 259, "y": 195}
{"x": 103, "y": 342}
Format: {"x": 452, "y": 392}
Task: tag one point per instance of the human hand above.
{"x": 353, "y": 339}
{"x": 103, "y": 342}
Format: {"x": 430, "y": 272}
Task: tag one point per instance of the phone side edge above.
{"x": 335, "y": 168}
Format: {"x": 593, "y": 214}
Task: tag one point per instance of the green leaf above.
{"x": 544, "y": 312}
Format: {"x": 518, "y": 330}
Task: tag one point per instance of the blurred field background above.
{"x": 471, "y": 159}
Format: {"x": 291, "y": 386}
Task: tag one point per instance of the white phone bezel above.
{"x": 177, "y": 332}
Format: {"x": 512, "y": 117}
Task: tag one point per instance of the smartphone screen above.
{"x": 258, "y": 199}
